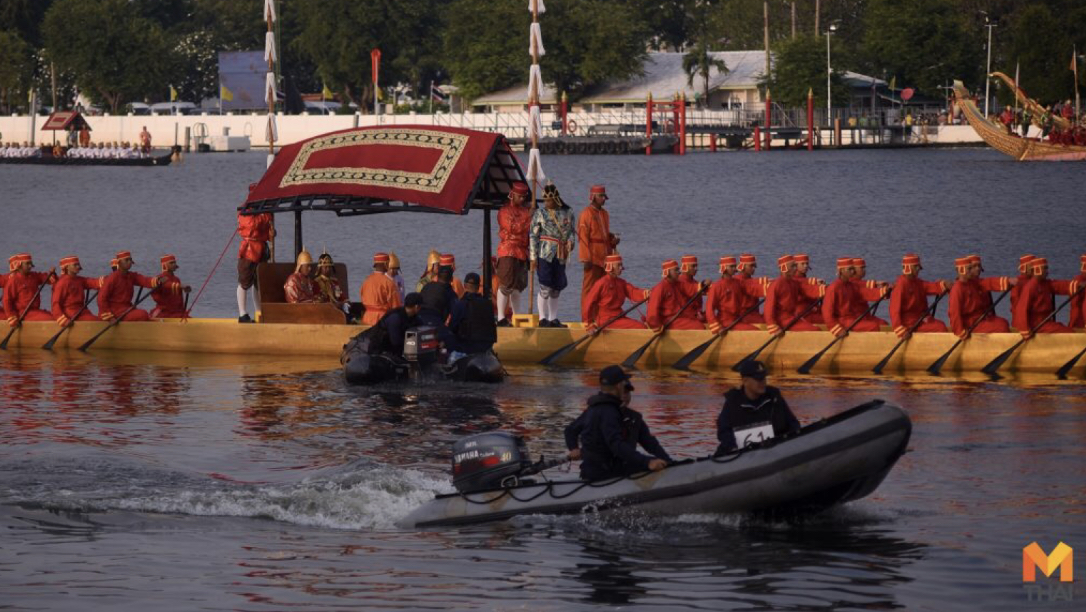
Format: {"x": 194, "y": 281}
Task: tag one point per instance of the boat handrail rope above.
{"x": 188, "y": 311}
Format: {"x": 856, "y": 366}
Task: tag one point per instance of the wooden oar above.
{"x": 754, "y": 355}
{"x": 937, "y": 365}
{"x": 885, "y": 360}
{"x": 1062, "y": 372}
{"x": 565, "y": 350}
{"x": 810, "y": 363}
{"x": 993, "y": 366}
{"x": 117, "y": 320}
{"x": 632, "y": 359}
{"x": 684, "y": 362}
{"x": 49, "y": 345}
{"x": 4, "y": 344}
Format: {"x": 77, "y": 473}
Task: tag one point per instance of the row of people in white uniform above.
{"x": 107, "y": 151}
{"x": 13, "y": 149}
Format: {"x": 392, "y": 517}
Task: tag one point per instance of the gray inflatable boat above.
{"x": 830, "y": 462}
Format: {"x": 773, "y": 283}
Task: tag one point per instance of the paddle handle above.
{"x": 4, "y": 344}
{"x": 754, "y": 355}
{"x": 117, "y": 321}
{"x": 912, "y": 328}
{"x": 49, "y": 345}
{"x": 993, "y": 365}
{"x": 681, "y": 310}
{"x": 806, "y": 367}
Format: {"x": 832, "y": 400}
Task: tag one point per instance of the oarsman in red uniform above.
{"x": 753, "y": 288}
{"x": 839, "y": 303}
{"x": 969, "y": 301}
{"x": 3, "y": 281}
{"x": 379, "y": 292}
{"x": 69, "y": 292}
{"x": 666, "y": 299}
{"x": 606, "y": 298}
{"x": 115, "y": 296}
{"x": 595, "y": 238}
{"x": 300, "y": 287}
{"x": 803, "y": 266}
{"x": 909, "y": 300}
{"x": 866, "y": 291}
{"x": 782, "y": 299}
{"x": 1025, "y": 271}
{"x": 21, "y": 290}
{"x": 255, "y": 232}
{"x": 1038, "y": 300}
{"x": 514, "y": 221}
{"x": 169, "y": 303}
{"x": 1078, "y": 304}
{"x": 688, "y": 269}
{"x": 723, "y": 302}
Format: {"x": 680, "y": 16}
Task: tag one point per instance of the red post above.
{"x": 712, "y": 142}
{"x": 682, "y": 124}
{"x": 648, "y": 124}
{"x": 565, "y": 113}
{"x": 768, "y": 120}
{"x": 810, "y": 120}
{"x": 757, "y": 138}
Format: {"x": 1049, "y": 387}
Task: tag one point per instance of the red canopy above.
{"x": 62, "y": 120}
{"x": 362, "y": 170}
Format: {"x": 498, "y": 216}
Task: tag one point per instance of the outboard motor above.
{"x": 489, "y": 461}
{"x": 420, "y": 349}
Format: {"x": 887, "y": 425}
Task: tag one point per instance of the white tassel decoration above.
{"x": 536, "y": 44}
{"x": 535, "y": 83}
{"x": 271, "y": 158}
{"x": 269, "y": 48}
{"x": 535, "y": 123}
{"x": 272, "y": 131}
{"x": 535, "y": 167}
{"x": 269, "y": 88}
{"x": 269, "y": 10}
{"x": 533, "y": 3}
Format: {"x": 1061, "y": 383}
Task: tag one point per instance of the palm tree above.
{"x": 699, "y": 61}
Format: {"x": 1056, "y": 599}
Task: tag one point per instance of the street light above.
{"x": 829, "y": 73}
{"x": 987, "y": 80}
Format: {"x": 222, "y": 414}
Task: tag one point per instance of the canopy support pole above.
{"x": 486, "y": 254}
{"x": 297, "y": 234}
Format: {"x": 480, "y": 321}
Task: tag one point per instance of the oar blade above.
{"x": 684, "y": 362}
{"x": 632, "y": 360}
{"x": 560, "y": 353}
{"x": 49, "y": 345}
{"x": 810, "y": 363}
{"x": 994, "y": 365}
{"x": 1066, "y": 369}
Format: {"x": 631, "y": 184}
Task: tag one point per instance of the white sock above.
{"x": 514, "y": 301}
{"x": 241, "y": 302}
{"x": 503, "y": 301}
{"x": 541, "y": 303}
{"x": 256, "y": 298}
{"x": 552, "y": 308}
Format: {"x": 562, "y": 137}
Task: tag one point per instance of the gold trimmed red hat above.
{"x": 844, "y": 262}
{"x": 668, "y": 265}
{"x": 784, "y": 260}
{"x": 747, "y": 259}
{"x": 447, "y": 259}
{"x": 381, "y": 258}
{"x": 610, "y": 261}
{"x": 123, "y": 255}
{"x": 18, "y": 259}
{"x": 520, "y": 189}
{"x": 167, "y": 259}
{"x": 1037, "y": 263}
{"x": 598, "y": 190}
{"x": 726, "y": 260}
{"x": 686, "y": 261}
{"x": 1024, "y": 261}
{"x": 963, "y": 263}
{"x": 859, "y": 262}
{"x": 802, "y": 258}
{"x": 69, "y": 260}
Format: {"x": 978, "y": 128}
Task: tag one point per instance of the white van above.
{"x": 172, "y": 108}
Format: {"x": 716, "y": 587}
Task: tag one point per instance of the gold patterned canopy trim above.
{"x": 450, "y": 145}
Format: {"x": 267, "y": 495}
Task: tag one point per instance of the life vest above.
{"x": 478, "y": 325}
{"x": 435, "y": 298}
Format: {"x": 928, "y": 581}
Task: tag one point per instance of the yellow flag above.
{"x": 226, "y": 94}
{"x": 326, "y": 93}
{"x": 173, "y": 94}
{"x": 380, "y": 94}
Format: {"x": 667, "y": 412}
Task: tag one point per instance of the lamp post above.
{"x": 829, "y": 73}
{"x": 987, "y": 81}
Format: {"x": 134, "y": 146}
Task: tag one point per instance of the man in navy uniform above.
{"x": 753, "y": 411}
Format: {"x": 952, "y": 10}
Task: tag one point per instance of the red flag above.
{"x": 375, "y": 61}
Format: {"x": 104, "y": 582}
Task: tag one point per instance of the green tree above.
{"x": 115, "y": 54}
{"x": 699, "y": 62}
{"x": 15, "y": 68}
{"x": 800, "y": 67}
{"x": 24, "y": 17}
{"x": 1043, "y": 51}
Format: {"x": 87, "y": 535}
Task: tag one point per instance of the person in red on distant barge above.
{"x": 21, "y": 290}
{"x": 782, "y": 305}
{"x": 1037, "y": 301}
{"x": 723, "y": 303}
{"x": 69, "y": 292}
{"x": 169, "y": 304}
{"x": 115, "y": 296}
{"x": 606, "y": 298}
{"x": 666, "y": 299}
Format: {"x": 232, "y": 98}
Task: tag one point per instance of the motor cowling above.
{"x": 421, "y": 344}
{"x": 484, "y": 461}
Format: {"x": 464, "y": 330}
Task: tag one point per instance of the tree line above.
{"x": 119, "y": 51}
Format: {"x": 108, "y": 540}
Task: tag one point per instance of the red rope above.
{"x": 208, "y": 279}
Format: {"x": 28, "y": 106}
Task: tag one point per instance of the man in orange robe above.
{"x": 688, "y": 269}
{"x": 970, "y": 301}
{"x": 1078, "y": 303}
{"x": 723, "y": 302}
{"x": 169, "y": 303}
{"x": 666, "y": 299}
{"x": 1037, "y": 301}
{"x": 21, "y": 290}
{"x": 255, "y": 232}
{"x": 752, "y": 288}
{"x": 866, "y": 291}
{"x": 803, "y": 267}
{"x": 514, "y": 221}
{"x": 606, "y": 298}
{"x": 69, "y": 292}
{"x": 1025, "y": 271}
{"x": 596, "y": 239}
{"x": 115, "y": 296}
{"x": 379, "y": 292}
{"x": 909, "y": 300}
{"x": 782, "y": 300}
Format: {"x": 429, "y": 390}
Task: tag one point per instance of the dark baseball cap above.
{"x": 412, "y": 299}
{"x": 612, "y": 375}
{"x": 753, "y": 369}
{"x": 471, "y": 279}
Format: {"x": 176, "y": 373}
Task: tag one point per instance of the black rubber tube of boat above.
{"x": 116, "y": 321}
{"x": 937, "y": 365}
{"x": 49, "y": 345}
{"x": 754, "y": 355}
{"x": 684, "y": 362}
{"x": 810, "y": 363}
{"x": 912, "y": 328}
{"x": 562, "y": 352}
{"x": 993, "y": 366}
{"x": 4, "y": 344}
{"x": 632, "y": 359}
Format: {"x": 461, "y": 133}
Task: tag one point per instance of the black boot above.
{"x": 557, "y": 323}
{"x": 245, "y": 318}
